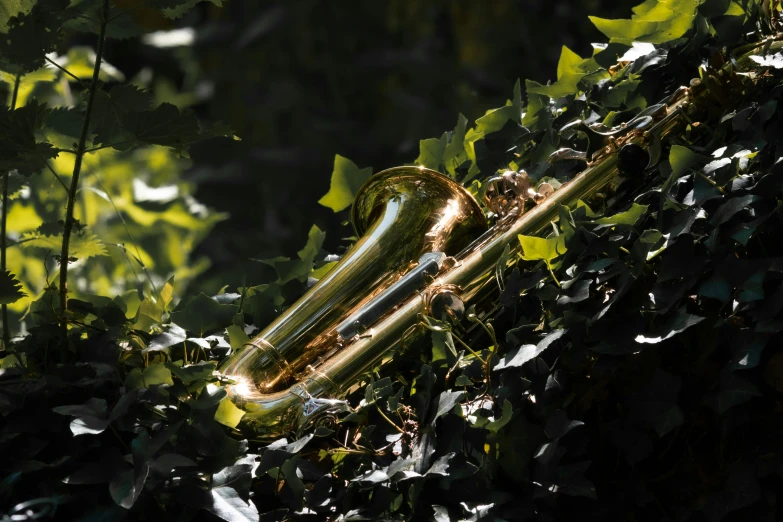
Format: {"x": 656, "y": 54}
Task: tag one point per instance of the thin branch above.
{"x": 110, "y": 145}
{"x": 66, "y": 71}
{"x": 77, "y": 167}
{"x": 3, "y": 220}
{"x": 57, "y": 176}
{"x": 128, "y": 10}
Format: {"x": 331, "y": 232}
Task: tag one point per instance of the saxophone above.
{"x": 425, "y": 248}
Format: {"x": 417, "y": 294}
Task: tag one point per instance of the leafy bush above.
{"x": 631, "y": 368}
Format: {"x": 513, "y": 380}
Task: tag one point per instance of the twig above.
{"x": 58, "y": 177}
{"x": 66, "y": 71}
{"x": 77, "y": 167}
{"x": 6, "y": 329}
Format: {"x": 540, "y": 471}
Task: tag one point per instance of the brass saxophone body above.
{"x": 424, "y": 247}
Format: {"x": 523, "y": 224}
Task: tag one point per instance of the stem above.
{"x": 77, "y": 167}
{"x": 66, "y": 71}
{"x": 3, "y": 220}
{"x": 57, "y": 176}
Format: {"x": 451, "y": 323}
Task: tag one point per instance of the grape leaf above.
{"x": 32, "y": 34}
{"x": 18, "y": 149}
{"x": 10, "y": 288}
{"x": 83, "y": 245}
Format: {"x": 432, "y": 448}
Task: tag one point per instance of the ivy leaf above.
{"x": 10, "y": 288}
{"x": 528, "y": 352}
{"x": 192, "y": 372}
{"x": 431, "y": 152}
{"x": 628, "y": 218}
{"x": 679, "y": 322}
{"x": 652, "y": 22}
{"x": 771, "y": 60}
{"x": 540, "y": 249}
{"x": 569, "y": 73}
{"x": 126, "y": 487}
{"x": 290, "y": 269}
{"x": 171, "y": 335}
{"x": 496, "y": 119}
{"x": 204, "y": 314}
{"x": 455, "y": 153}
{"x": 681, "y": 158}
{"x": 347, "y": 178}
{"x": 91, "y": 418}
{"x": 228, "y": 414}
{"x": 226, "y": 503}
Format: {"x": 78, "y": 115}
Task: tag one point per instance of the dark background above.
{"x": 302, "y": 80}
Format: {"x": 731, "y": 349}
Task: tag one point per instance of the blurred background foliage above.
{"x": 298, "y": 82}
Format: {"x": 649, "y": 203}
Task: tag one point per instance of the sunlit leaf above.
{"x": 347, "y": 178}
{"x": 228, "y": 414}
{"x": 629, "y": 217}
{"x": 536, "y": 248}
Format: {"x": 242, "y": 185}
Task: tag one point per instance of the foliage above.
{"x": 630, "y": 370}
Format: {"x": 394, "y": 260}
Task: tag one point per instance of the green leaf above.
{"x": 174, "y": 9}
{"x": 654, "y": 22}
{"x": 90, "y": 417}
{"x": 681, "y": 158}
{"x": 237, "y": 337}
{"x": 156, "y": 373}
{"x": 192, "y": 372}
{"x": 505, "y": 418}
{"x": 495, "y": 119}
{"x": 203, "y": 314}
{"x": 226, "y": 503}
{"x": 10, "y": 288}
{"x": 127, "y": 485}
{"x": 228, "y": 414}
{"x": 290, "y": 269}
{"x": 83, "y": 245}
{"x": 431, "y": 152}
{"x": 149, "y": 314}
{"x": 771, "y": 60}
{"x": 347, "y": 178}
{"x": 679, "y": 322}
{"x": 629, "y": 217}
{"x": 569, "y": 62}
{"x": 569, "y": 73}
{"x": 31, "y": 34}
{"x": 18, "y": 147}
{"x": 11, "y": 8}
{"x": 455, "y": 153}
{"x": 83, "y": 16}
{"x": 172, "y": 335}
{"x": 536, "y": 248}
